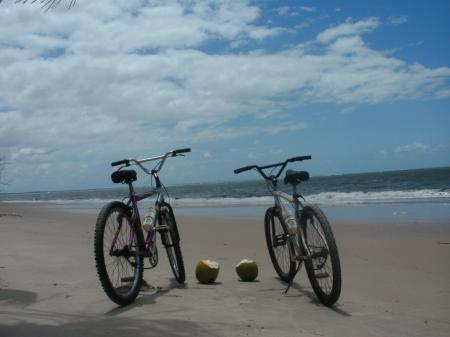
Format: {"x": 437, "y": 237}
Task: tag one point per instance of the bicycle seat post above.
{"x": 131, "y": 189}
{"x": 295, "y": 193}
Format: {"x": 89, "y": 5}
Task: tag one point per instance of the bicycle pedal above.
{"x": 322, "y": 275}
{"x": 127, "y": 279}
{"x": 161, "y": 228}
{"x": 322, "y": 253}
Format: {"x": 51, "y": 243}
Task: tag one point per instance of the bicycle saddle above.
{"x": 295, "y": 177}
{"x": 124, "y": 176}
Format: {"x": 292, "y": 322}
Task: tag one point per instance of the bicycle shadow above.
{"x": 62, "y": 325}
{"x": 313, "y": 299}
{"x": 17, "y": 297}
{"x": 147, "y": 298}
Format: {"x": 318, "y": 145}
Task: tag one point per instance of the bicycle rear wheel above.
{"x": 324, "y": 268}
{"x": 279, "y": 244}
{"x": 118, "y": 258}
{"x": 171, "y": 241}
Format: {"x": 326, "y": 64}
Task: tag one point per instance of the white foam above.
{"x": 222, "y": 202}
{"x": 325, "y": 198}
{"x": 378, "y": 197}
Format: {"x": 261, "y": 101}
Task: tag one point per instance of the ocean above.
{"x": 416, "y": 194}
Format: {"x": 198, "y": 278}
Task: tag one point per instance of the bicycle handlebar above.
{"x": 158, "y": 167}
{"x": 291, "y": 160}
{"x": 176, "y": 152}
{"x": 120, "y": 162}
{"x": 261, "y": 168}
{"x": 245, "y": 168}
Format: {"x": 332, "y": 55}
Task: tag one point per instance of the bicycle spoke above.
{"x": 279, "y": 245}
{"x": 118, "y": 229}
{"x": 321, "y": 264}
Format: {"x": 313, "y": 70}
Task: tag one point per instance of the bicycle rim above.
{"x": 172, "y": 245}
{"x": 323, "y": 269}
{"x": 117, "y": 250}
{"x": 279, "y": 245}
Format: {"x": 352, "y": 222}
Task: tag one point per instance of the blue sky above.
{"x": 360, "y": 86}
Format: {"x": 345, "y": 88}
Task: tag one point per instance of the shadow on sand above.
{"x": 313, "y": 299}
{"x": 147, "y": 298}
{"x": 111, "y": 327}
{"x": 15, "y": 297}
{"x": 31, "y": 323}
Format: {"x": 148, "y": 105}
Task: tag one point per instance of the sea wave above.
{"x": 384, "y": 196}
{"x": 324, "y": 198}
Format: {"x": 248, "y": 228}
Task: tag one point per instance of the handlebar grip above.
{"x": 120, "y": 162}
{"x": 245, "y": 168}
{"x": 175, "y": 152}
{"x": 299, "y": 158}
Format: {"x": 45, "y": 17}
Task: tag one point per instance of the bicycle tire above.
{"x": 171, "y": 241}
{"x": 324, "y": 268}
{"x": 121, "y": 288}
{"x": 282, "y": 259}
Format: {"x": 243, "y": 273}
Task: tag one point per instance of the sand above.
{"x": 396, "y": 282}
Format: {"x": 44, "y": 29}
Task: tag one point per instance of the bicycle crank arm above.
{"x": 322, "y": 275}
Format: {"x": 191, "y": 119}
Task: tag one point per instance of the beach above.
{"x": 395, "y": 281}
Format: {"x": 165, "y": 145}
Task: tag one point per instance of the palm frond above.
{"x": 46, "y": 4}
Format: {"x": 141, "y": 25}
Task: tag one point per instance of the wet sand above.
{"x": 396, "y": 282}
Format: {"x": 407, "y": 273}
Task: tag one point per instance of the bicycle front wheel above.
{"x": 118, "y": 258}
{"x": 171, "y": 241}
{"x": 279, "y": 244}
{"x": 324, "y": 268}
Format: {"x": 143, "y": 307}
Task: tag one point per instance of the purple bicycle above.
{"x": 122, "y": 243}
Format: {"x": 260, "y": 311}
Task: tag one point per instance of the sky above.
{"x": 360, "y": 86}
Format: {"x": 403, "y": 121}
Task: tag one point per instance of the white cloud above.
{"x": 255, "y": 155}
{"x": 207, "y": 155}
{"x": 294, "y": 10}
{"x": 125, "y": 78}
{"x": 307, "y": 9}
{"x": 412, "y": 148}
{"x": 398, "y": 20}
{"x": 284, "y": 10}
{"x": 349, "y": 28}
{"x": 285, "y": 127}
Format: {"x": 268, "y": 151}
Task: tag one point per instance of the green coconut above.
{"x": 207, "y": 271}
{"x": 247, "y": 270}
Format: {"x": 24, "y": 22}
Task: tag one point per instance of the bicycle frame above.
{"x": 297, "y": 205}
{"x": 134, "y": 198}
{"x": 136, "y": 218}
{"x": 308, "y": 219}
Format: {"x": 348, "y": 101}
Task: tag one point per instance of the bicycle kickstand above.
{"x": 293, "y": 277}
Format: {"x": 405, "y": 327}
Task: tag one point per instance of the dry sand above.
{"x": 396, "y": 282}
